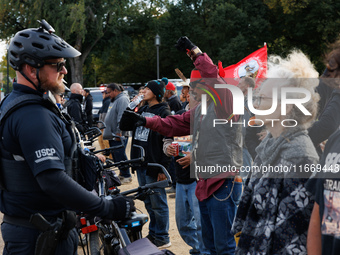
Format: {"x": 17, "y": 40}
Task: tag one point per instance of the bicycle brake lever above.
{"x": 143, "y": 195}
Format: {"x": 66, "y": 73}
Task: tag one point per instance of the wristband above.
{"x": 194, "y": 53}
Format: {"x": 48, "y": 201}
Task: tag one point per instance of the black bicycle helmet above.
{"x": 34, "y": 45}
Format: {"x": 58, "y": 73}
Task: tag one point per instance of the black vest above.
{"x": 15, "y": 176}
{"x": 218, "y": 147}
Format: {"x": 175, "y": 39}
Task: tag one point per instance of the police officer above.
{"x": 34, "y": 145}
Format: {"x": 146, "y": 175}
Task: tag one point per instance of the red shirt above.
{"x": 179, "y": 125}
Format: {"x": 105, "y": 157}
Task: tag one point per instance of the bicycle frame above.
{"x": 115, "y": 235}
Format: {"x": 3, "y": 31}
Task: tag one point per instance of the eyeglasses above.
{"x": 60, "y": 65}
{"x": 258, "y": 99}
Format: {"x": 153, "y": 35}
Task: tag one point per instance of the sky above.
{"x": 2, "y": 49}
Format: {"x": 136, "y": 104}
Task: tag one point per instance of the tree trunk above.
{"x": 76, "y": 65}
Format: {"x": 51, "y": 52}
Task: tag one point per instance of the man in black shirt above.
{"x": 88, "y": 106}
{"x": 74, "y": 108}
{"x": 35, "y": 152}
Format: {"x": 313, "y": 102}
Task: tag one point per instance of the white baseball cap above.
{"x": 183, "y": 84}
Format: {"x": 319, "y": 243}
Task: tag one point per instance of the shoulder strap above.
{"x": 27, "y": 99}
{"x": 18, "y": 103}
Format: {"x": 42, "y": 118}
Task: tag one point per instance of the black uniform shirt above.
{"x": 35, "y": 134}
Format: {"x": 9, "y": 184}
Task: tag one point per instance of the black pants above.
{"x": 21, "y": 240}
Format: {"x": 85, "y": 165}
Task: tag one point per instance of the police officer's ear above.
{"x": 30, "y": 71}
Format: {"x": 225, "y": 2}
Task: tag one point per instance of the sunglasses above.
{"x": 60, "y": 65}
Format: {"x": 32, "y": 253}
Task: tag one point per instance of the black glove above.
{"x": 130, "y": 120}
{"x": 184, "y": 44}
{"x": 122, "y": 207}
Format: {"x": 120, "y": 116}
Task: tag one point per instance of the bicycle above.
{"x": 116, "y": 236}
{"x": 109, "y": 237}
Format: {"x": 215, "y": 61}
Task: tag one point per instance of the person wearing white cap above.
{"x": 185, "y": 92}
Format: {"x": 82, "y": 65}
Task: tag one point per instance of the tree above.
{"x": 82, "y": 23}
{"x": 226, "y": 30}
{"x": 132, "y": 55}
{"x": 309, "y": 25}
{"x": 6, "y": 83}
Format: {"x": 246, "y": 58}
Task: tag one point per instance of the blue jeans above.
{"x": 21, "y": 240}
{"x": 217, "y": 218}
{"x": 119, "y": 155}
{"x": 157, "y": 207}
{"x": 188, "y": 218}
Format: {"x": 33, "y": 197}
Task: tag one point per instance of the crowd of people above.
{"x": 288, "y": 210}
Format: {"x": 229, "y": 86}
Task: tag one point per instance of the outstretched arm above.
{"x": 172, "y": 125}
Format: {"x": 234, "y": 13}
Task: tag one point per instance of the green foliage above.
{"x": 116, "y": 37}
{"x": 311, "y": 28}
{"x": 4, "y": 81}
{"x": 227, "y": 31}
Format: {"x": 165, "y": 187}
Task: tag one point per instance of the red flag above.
{"x": 254, "y": 65}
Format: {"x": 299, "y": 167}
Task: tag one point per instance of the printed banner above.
{"x": 254, "y": 66}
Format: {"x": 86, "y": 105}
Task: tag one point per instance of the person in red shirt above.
{"x": 216, "y": 150}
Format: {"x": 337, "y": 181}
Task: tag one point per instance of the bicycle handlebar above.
{"x": 159, "y": 184}
{"x": 128, "y": 162}
{"x": 108, "y": 150}
{"x": 96, "y": 134}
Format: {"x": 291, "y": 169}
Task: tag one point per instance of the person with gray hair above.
{"x": 275, "y": 207}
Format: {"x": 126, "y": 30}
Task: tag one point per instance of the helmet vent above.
{"x": 44, "y": 37}
{"x": 56, "y": 48}
{"x": 38, "y": 45}
{"x": 14, "y": 54}
{"x": 18, "y": 44}
{"x": 61, "y": 44}
{"x": 24, "y": 35}
{"x": 29, "y": 61}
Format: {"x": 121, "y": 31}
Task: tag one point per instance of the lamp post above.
{"x": 157, "y": 43}
{"x": 7, "y": 47}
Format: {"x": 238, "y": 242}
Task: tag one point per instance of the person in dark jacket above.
{"x": 172, "y": 98}
{"x": 323, "y": 231}
{"x": 88, "y": 106}
{"x": 74, "y": 106}
{"x": 328, "y": 120}
{"x": 152, "y": 142}
{"x": 36, "y": 154}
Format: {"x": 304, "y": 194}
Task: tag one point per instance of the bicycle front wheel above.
{"x": 97, "y": 246}
{"x": 101, "y": 241}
